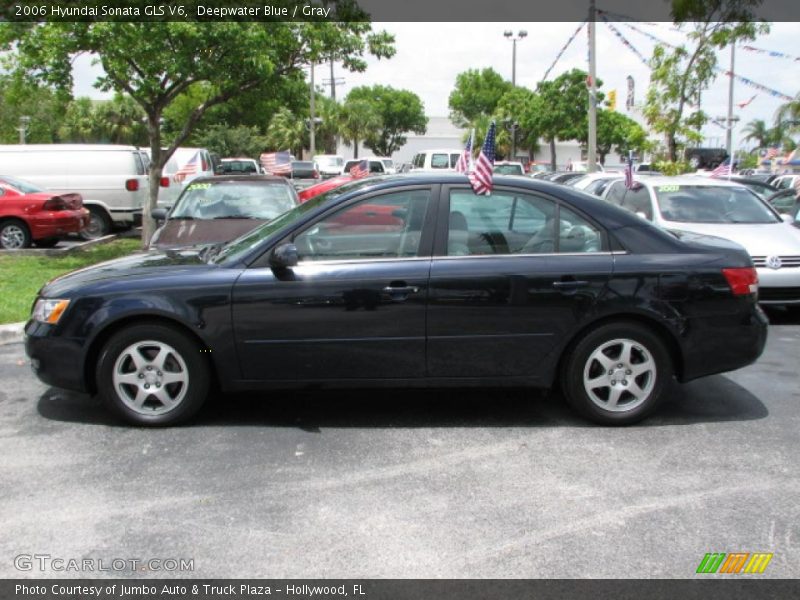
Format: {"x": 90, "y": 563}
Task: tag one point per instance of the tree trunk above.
{"x": 154, "y": 179}
{"x": 355, "y": 147}
{"x": 553, "y": 153}
{"x": 672, "y": 147}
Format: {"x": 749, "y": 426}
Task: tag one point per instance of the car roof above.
{"x": 235, "y": 178}
{"x": 695, "y": 180}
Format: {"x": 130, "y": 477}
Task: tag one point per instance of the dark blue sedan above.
{"x": 409, "y": 280}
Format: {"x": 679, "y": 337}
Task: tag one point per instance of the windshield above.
{"x": 235, "y": 249}
{"x": 233, "y": 200}
{"x": 712, "y": 204}
{"x": 22, "y": 186}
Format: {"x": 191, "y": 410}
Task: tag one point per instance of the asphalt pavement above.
{"x": 409, "y": 484}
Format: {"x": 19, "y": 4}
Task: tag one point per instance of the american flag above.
{"x": 629, "y": 172}
{"x": 789, "y": 157}
{"x": 771, "y": 153}
{"x": 481, "y": 175}
{"x": 277, "y": 163}
{"x": 465, "y": 160}
{"x": 190, "y": 168}
{"x": 723, "y": 170}
{"x": 360, "y": 169}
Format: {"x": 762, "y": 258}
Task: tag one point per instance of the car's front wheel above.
{"x": 617, "y": 374}
{"x": 153, "y": 374}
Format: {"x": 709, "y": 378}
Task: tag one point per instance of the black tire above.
{"x": 46, "y": 243}
{"x": 183, "y": 363}
{"x": 99, "y": 224}
{"x": 637, "y": 394}
{"x": 14, "y": 235}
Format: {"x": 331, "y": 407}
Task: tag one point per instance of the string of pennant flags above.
{"x": 746, "y": 81}
{"x": 564, "y": 49}
{"x": 772, "y": 53}
{"x": 625, "y": 42}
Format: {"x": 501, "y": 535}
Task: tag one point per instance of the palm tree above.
{"x": 758, "y": 131}
{"x": 286, "y": 130}
{"x": 788, "y": 114}
{"x": 356, "y": 118}
{"x": 121, "y": 121}
{"x": 79, "y": 123}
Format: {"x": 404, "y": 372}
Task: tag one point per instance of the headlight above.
{"x": 49, "y": 311}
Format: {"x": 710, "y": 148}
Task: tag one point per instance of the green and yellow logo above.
{"x": 734, "y": 562}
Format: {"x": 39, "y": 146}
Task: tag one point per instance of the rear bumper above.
{"x": 57, "y": 223}
{"x": 724, "y": 343}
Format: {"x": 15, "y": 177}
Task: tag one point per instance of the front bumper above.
{"x": 779, "y": 286}
{"x": 55, "y": 360}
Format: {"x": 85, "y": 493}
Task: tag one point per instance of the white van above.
{"x": 112, "y": 179}
{"x": 183, "y": 166}
{"x": 436, "y": 160}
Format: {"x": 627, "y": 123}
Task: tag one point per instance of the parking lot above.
{"x": 428, "y": 484}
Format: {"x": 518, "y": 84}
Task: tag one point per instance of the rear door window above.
{"x": 440, "y": 161}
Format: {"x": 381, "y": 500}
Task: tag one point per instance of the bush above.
{"x": 667, "y": 167}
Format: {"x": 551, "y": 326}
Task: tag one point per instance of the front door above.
{"x": 354, "y": 306}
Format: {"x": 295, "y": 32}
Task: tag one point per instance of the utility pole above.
{"x": 729, "y": 133}
{"x": 23, "y": 128}
{"x": 591, "y": 151}
{"x": 312, "y": 143}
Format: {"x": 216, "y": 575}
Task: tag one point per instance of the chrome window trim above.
{"x": 430, "y": 258}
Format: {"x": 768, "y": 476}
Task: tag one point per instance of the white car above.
{"x": 722, "y": 209}
{"x": 330, "y": 165}
{"x": 583, "y": 166}
{"x": 436, "y": 160}
{"x": 594, "y": 183}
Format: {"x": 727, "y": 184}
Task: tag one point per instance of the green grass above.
{"x": 22, "y": 276}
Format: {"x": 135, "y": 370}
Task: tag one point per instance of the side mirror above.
{"x": 284, "y": 257}
{"x": 159, "y": 214}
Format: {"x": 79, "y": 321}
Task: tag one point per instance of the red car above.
{"x": 28, "y": 214}
{"x": 322, "y": 187}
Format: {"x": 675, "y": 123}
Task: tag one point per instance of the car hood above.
{"x": 142, "y": 265}
{"x": 179, "y": 233}
{"x": 759, "y": 240}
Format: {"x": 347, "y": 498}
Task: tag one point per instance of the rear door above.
{"x": 507, "y": 284}
{"x": 354, "y": 307}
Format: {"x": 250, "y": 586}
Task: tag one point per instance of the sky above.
{"x": 430, "y": 56}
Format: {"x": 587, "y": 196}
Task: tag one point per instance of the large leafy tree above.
{"x": 227, "y": 141}
{"x": 679, "y": 75}
{"x": 400, "y": 111}
{"x": 286, "y": 131}
{"x": 617, "y": 132}
{"x": 509, "y": 111}
{"x": 42, "y": 105}
{"x": 155, "y": 63}
{"x": 476, "y": 93}
{"x": 562, "y": 112}
{"x": 758, "y": 132}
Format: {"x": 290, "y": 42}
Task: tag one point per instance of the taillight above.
{"x": 56, "y": 203}
{"x": 132, "y": 185}
{"x": 204, "y": 163}
{"x": 316, "y": 174}
{"x": 743, "y": 281}
{"x": 164, "y": 182}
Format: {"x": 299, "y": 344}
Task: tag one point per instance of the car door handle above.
{"x": 401, "y": 290}
{"x": 569, "y": 285}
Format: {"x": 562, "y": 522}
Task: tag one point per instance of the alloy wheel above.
{"x": 619, "y": 375}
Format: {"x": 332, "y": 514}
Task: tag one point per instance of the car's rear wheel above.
{"x": 14, "y": 235}
{"x": 617, "y": 374}
{"x": 153, "y": 374}
{"x": 99, "y": 224}
{"x": 695, "y": 162}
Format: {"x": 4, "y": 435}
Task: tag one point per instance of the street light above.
{"x": 521, "y": 34}
{"x": 509, "y": 35}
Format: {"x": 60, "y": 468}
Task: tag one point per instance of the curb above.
{"x": 59, "y": 251}
{"x": 12, "y": 333}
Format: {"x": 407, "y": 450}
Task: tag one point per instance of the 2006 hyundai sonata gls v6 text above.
{"x": 409, "y": 280}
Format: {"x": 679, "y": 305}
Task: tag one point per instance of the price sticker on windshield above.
{"x": 199, "y": 186}
{"x": 669, "y": 188}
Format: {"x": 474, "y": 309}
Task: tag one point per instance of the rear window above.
{"x": 22, "y": 186}
{"x": 440, "y": 161}
{"x": 233, "y": 200}
{"x": 712, "y": 204}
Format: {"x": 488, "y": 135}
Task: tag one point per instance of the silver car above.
{"x": 727, "y": 210}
